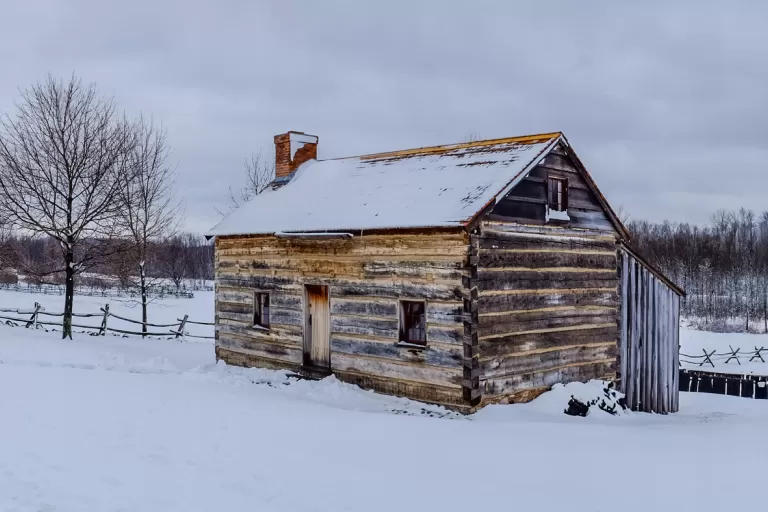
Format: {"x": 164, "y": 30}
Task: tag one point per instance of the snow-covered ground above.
{"x": 111, "y": 423}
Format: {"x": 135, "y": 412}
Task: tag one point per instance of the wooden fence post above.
{"x": 734, "y": 355}
{"x": 707, "y": 358}
{"x": 33, "y": 320}
{"x": 103, "y": 328}
{"x": 181, "y": 327}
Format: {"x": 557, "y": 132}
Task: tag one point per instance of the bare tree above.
{"x": 61, "y": 156}
{"x": 622, "y": 214}
{"x": 259, "y": 173}
{"x": 149, "y": 212}
{"x": 471, "y": 137}
{"x": 176, "y": 259}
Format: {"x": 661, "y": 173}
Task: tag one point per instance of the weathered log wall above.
{"x": 548, "y": 307}
{"x": 367, "y": 276}
{"x": 650, "y": 327}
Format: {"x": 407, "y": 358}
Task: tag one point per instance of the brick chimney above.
{"x": 291, "y": 150}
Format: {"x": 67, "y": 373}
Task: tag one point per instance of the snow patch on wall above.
{"x": 556, "y": 215}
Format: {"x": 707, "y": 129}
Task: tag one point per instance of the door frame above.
{"x": 307, "y": 362}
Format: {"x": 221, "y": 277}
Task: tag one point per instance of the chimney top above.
{"x": 292, "y": 149}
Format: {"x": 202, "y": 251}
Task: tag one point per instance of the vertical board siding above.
{"x": 649, "y": 337}
{"x": 366, "y": 276}
{"x": 548, "y": 307}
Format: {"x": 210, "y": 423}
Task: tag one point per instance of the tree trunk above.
{"x": 69, "y": 293}
{"x": 143, "y": 285}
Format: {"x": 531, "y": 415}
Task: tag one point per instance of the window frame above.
{"x": 559, "y": 204}
{"x": 402, "y": 328}
{"x": 258, "y": 310}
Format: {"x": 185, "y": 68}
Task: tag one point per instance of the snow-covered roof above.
{"x": 440, "y": 186}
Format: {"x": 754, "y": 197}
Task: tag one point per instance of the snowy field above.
{"x": 693, "y": 342}
{"x": 112, "y": 423}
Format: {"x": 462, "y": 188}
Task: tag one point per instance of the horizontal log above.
{"x": 450, "y": 397}
{"x": 545, "y": 379}
{"x": 510, "y": 281}
{"x": 261, "y": 282}
{"x": 397, "y": 289}
{"x": 245, "y": 296}
{"x": 383, "y": 368}
{"x": 245, "y": 308}
{"x": 517, "y": 343}
{"x": 339, "y": 248}
{"x": 501, "y": 240}
{"x": 544, "y": 229}
{"x": 489, "y": 303}
{"x": 493, "y": 326}
{"x": 445, "y": 334}
{"x": 259, "y": 348}
{"x": 378, "y": 327}
{"x": 379, "y": 240}
{"x": 288, "y": 265}
{"x": 514, "y": 364}
{"x": 451, "y": 270}
{"x": 281, "y": 334}
{"x": 297, "y": 267}
{"x": 445, "y": 312}
{"x": 526, "y": 315}
{"x": 365, "y": 307}
{"x": 436, "y": 354}
{"x": 242, "y": 358}
{"x": 277, "y": 317}
{"x": 533, "y": 259}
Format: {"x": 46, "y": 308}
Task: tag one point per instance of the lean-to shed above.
{"x": 463, "y": 275}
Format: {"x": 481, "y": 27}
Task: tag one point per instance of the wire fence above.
{"x": 39, "y": 317}
{"x": 733, "y": 357}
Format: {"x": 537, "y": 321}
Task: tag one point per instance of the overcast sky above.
{"x": 666, "y": 106}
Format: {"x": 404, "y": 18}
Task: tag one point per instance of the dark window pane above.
{"x": 414, "y": 322}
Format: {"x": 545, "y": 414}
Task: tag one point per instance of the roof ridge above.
{"x": 528, "y": 139}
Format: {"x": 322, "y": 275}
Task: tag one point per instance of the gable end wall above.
{"x": 548, "y": 306}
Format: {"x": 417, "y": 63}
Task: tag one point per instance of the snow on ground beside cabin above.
{"x": 693, "y": 342}
{"x": 110, "y": 423}
{"x": 160, "y": 311}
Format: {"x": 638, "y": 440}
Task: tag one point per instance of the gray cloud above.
{"x": 664, "y": 104}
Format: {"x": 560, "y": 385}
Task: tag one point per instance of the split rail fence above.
{"x": 708, "y": 358}
{"x": 40, "y": 317}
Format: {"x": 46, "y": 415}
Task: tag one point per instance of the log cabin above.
{"x": 462, "y": 275}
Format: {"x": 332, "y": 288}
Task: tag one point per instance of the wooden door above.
{"x": 317, "y": 326}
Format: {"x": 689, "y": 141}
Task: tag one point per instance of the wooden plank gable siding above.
{"x": 367, "y": 276}
{"x": 527, "y": 201}
{"x": 548, "y": 307}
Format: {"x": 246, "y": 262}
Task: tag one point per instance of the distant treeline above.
{"x": 723, "y": 266}
{"x": 179, "y": 258}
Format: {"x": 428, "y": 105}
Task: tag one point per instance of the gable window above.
{"x": 557, "y": 194}
{"x": 261, "y": 310}
{"x": 413, "y": 322}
